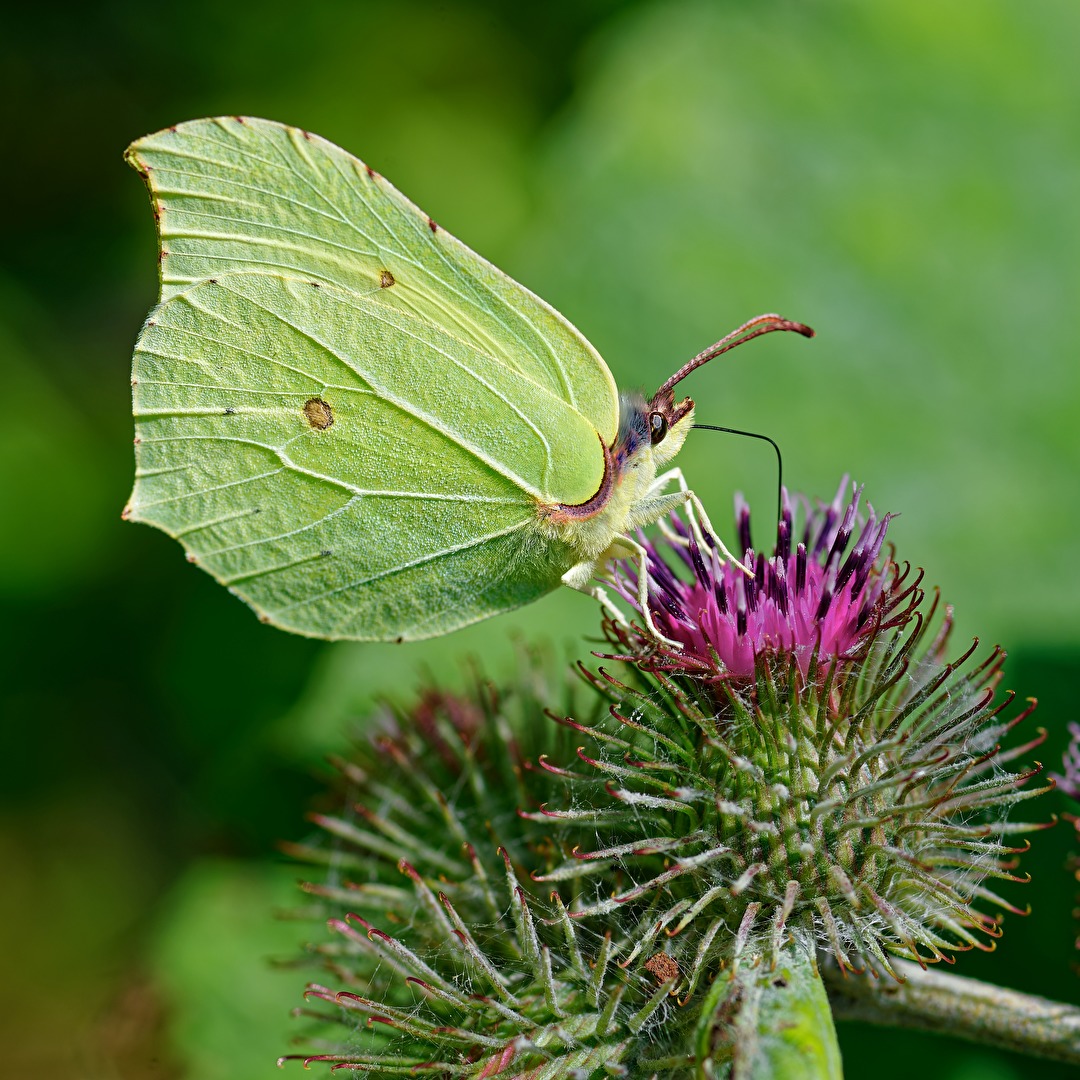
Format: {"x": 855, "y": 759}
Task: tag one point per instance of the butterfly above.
{"x": 357, "y": 424}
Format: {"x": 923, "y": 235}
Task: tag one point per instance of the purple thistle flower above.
{"x": 819, "y": 598}
{"x": 1069, "y": 783}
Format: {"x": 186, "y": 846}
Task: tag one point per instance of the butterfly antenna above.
{"x": 779, "y": 462}
{"x": 763, "y": 324}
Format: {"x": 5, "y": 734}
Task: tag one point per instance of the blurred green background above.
{"x": 903, "y": 175}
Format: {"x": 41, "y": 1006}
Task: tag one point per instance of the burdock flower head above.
{"x": 804, "y": 776}
{"x": 807, "y": 767}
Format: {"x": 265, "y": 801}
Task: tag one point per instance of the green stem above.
{"x": 967, "y": 1008}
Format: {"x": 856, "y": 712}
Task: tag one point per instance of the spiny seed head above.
{"x": 809, "y": 764}
{"x": 446, "y": 956}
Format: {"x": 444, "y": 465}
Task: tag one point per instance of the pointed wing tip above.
{"x": 133, "y": 157}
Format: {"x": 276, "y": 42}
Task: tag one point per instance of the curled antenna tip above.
{"x": 762, "y": 324}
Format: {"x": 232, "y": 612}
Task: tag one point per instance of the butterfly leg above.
{"x": 656, "y": 505}
{"x": 642, "y": 557}
{"x": 579, "y": 578}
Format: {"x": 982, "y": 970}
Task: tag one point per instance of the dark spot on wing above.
{"x": 238, "y": 119}
{"x": 212, "y": 281}
{"x": 398, "y": 640}
{"x": 229, "y": 411}
{"x": 370, "y": 171}
{"x": 172, "y": 130}
{"x": 313, "y": 284}
{"x": 326, "y": 553}
{"x": 306, "y": 134}
{"x": 319, "y": 414}
{"x": 431, "y": 225}
{"x": 386, "y": 279}
{"x": 191, "y": 557}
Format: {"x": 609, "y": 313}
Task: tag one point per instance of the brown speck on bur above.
{"x": 318, "y": 413}
{"x": 662, "y": 967}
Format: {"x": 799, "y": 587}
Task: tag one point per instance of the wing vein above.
{"x": 390, "y": 571}
{"x": 406, "y": 407}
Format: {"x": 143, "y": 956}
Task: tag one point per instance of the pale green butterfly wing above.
{"x": 348, "y": 469}
{"x": 297, "y": 286}
{"x": 247, "y": 194}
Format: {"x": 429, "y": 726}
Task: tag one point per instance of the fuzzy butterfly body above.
{"x": 353, "y": 421}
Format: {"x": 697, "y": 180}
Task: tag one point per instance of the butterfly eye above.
{"x": 657, "y": 427}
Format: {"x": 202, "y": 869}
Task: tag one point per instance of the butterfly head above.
{"x": 669, "y": 422}
{"x": 655, "y": 428}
